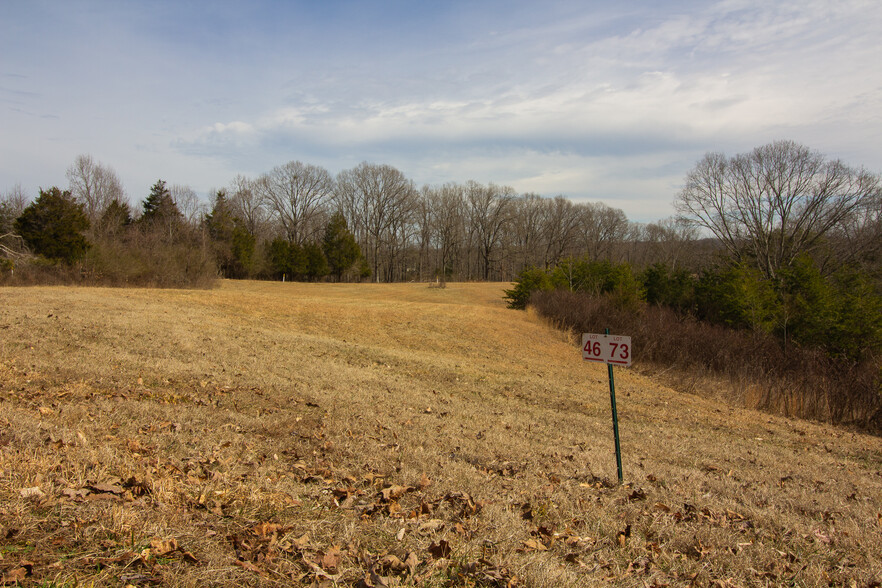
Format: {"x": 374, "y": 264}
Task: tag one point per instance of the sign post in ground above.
{"x": 611, "y": 350}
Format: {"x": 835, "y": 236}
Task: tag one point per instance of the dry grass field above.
{"x": 391, "y": 435}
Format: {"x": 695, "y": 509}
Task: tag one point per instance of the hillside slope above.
{"x": 269, "y": 434}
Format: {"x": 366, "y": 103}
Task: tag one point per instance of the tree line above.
{"x": 297, "y": 221}
{"x": 766, "y": 210}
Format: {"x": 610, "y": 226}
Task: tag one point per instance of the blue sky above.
{"x": 598, "y": 101}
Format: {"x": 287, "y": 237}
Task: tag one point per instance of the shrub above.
{"x": 528, "y": 281}
{"x": 804, "y": 382}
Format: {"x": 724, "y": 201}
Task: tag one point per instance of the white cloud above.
{"x": 608, "y": 101}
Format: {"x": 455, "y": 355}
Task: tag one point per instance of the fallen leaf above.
{"x": 332, "y": 558}
{"x": 17, "y": 575}
{"x": 376, "y": 580}
{"x": 534, "y": 545}
{"x": 301, "y": 542}
{"x": 430, "y": 526}
{"x": 34, "y": 492}
{"x": 411, "y": 561}
{"x": 424, "y": 481}
{"x": 248, "y": 566}
{"x": 163, "y": 546}
{"x": 75, "y": 493}
{"x": 107, "y": 489}
{"x": 394, "y": 492}
{"x": 440, "y": 550}
{"x": 638, "y": 494}
{"x": 392, "y": 563}
{"x": 265, "y": 530}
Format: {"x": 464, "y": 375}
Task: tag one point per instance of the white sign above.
{"x": 614, "y": 349}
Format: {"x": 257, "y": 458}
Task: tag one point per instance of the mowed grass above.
{"x": 384, "y": 435}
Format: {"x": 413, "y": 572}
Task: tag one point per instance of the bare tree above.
{"x": 248, "y": 205}
{"x": 446, "y": 207}
{"x": 562, "y": 226}
{"x": 528, "y": 228}
{"x": 377, "y": 201}
{"x": 191, "y": 207}
{"x": 775, "y": 203}
{"x": 94, "y": 186}
{"x": 602, "y": 227}
{"x": 300, "y": 195}
{"x": 12, "y": 204}
{"x": 488, "y": 210}
{"x": 669, "y": 241}
{"x": 425, "y": 229}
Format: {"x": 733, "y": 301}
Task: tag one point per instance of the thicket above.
{"x": 59, "y": 245}
{"x": 802, "y": 344}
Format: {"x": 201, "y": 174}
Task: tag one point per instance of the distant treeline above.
{"x": 298, "y": 222}
{"x": 370, "y": 222}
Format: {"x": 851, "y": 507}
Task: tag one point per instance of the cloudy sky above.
{"x": 610, "y": 101}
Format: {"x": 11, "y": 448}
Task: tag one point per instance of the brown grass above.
{"x": 315, "y": 434}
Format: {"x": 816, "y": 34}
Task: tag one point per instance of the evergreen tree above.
{"x": 116, "y": 218}
{"x": 53, "y": 226}
{"x": 233, "y": 244}
{"x": 316, "y": 264}
{"x": 221, "y": 221}
{"x": 339, "y": 246}
{"x": 243, "y": 246}
{"x": 159, "y": 206}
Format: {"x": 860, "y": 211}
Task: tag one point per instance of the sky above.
{"x": 599, "y": 101}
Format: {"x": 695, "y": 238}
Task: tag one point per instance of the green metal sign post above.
{"x": 611, "y": 350}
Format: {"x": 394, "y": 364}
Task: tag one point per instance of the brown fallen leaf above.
{"x": 17, "y": 575}
{"x": 34, "y": 492}
{"x": 440, "y": 550}
{"x": 638, "y": 494}
{"x": 105, "y": 488}
{"x": 430, "y": 526}
{"x": 425, "y": 482}
{"x": 265, "y": 530}
{"x": 411, "y": 561}
{"x": 250, "y": 567}
{"x": 376, "y": 580}
{"x": 75, "y": 493}
{"x": 331, "y": 558}
{"x": 394, "y": 492}
{"x": 163, "y": 546}
{"x": 533, "y": 545}
{"x": 392, "y": 563}
{"x": 301, "y": 542}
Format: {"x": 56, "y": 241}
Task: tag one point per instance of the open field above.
{"x": 382, "y": 435}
